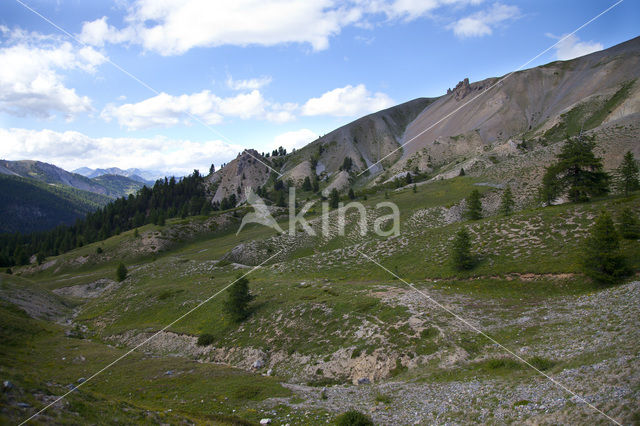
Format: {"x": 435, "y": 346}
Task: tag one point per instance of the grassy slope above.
{"x": 325, "y": 292}
{"x": 118, "y": 186}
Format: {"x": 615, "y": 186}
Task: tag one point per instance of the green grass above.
{"x": 303, "y": 306}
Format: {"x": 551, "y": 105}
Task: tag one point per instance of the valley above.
{"x": 127, "y": 314}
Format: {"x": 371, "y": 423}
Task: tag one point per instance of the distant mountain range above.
{"x": 140, "y": 175}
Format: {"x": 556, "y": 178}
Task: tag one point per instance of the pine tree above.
{"x": 507, "y": 203}
{"x": 474, "y": 205}
{"x": 408, "y": 179}
{"x": 602, "y": 260}
{"x": 629, "y": 225}
{"x": 552, "y": 187}
{"x": 462, "y": 173}
{"x": 238, "y": 298}
{"x": 628, "y": 173}
{"x": 352, "y": 194}
{"x": 316, "y": 185}
{"x": 347, "y": 164}
{"x": 306, "y": 184}
{"x": 121, "y": 272}
{"x": 280, "y": 201}
{"x": 461, "y": 251}
{"x": 334, "y": 199}
{"x": 577, "y": 171}
{"x": 414, "y": 188}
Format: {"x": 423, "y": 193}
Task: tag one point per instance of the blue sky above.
{"x": 223, "y": 76}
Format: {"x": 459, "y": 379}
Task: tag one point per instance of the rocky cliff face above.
{"x": 475, "y": 126}
{"x": 248, "y": 170}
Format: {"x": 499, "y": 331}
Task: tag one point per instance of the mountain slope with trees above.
{"x": 28, "y": 205}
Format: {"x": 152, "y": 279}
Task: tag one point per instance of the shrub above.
{"x": 428, "y": 333}
{"x": 540, "y": 363}
{"x": 205, "y": 339}
{"x": 353, "y": 418}
{"x": 386, "y": 399}
{"x": 99, "y": 250}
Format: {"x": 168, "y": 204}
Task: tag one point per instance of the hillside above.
{"x": 50, "y": 174}
{"x": 118, "y": 186}
{"x": 329, "y": 330}
{"x": 111, "y": 186}
{"x": 340, "y": 319}
{"x": 28, "y": 205}
{"x": 513, "y": 122}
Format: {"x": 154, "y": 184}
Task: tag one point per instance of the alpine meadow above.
{"x": 319, "y": 212}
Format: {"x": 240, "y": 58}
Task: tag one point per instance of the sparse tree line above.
{"x": 579, "y": 174}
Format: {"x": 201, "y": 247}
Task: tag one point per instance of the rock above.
{"x": 169, "y": 373}
{"x": 364, "y": 381}
{"x": 23, "y": 405}
{"x": 82, "y": 380}
{"x": 265, "y": 421}
{"x": 270, "y": 372}
{"x": 7, "y": 385}
{"x": 257, "y": 364}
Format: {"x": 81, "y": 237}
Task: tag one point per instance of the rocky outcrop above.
{"x": 248, "y": 170}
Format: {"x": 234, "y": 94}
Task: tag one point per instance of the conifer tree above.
{"x": 334, "y": 199}
{"x": 628, "y": 173}
{"x": 238, "y": 298}
{"x": 602, "y": 259}
{"x": 121, "y": 272}
{"x": 507, "y": 203}
{"x": 629, "y": 225}
{"x": 578, "y": 171}
{"x": 306, "y": 184}
{"x": 352, "y": 194}
{"x": 474, "y": 205}
{"x": 461, "y": 251}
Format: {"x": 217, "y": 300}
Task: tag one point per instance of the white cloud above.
{"x": 347, "y": 101}
{"x": 295, "y": 139}
{"x": 167, "y": 110}
{"x": 174, "y": 27}
{"x": 30, "y": 78}
{"x": 99, "y": 32}
{"x": 482, "y": 23}
{"x": 250, "y": 84}
{"x": 71, "y": 150}
{"x": 572, "y": 47}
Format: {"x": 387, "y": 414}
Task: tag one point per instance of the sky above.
{"x": 174, "y": 86}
